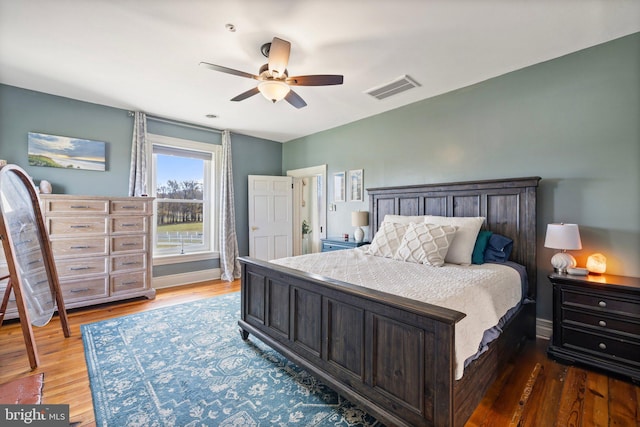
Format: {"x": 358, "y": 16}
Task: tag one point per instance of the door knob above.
{"x": 254, "y": 228}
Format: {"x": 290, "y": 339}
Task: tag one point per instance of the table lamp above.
{"x": 359, "y": 219}
{"x": 565, "y": 237}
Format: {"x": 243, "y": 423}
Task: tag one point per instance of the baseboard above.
{"x": 544, "y": 328}
{"x": 185, "y": 278}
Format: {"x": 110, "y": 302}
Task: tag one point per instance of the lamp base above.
{"x": 358, "y": 235}
{"x": 561, "y": 261}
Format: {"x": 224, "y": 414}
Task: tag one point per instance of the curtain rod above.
{"x": 179, "y": 123}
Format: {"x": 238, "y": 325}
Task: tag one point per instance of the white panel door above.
{"x": 270, "y": 217}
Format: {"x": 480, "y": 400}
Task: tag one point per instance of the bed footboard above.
{"x": 391, "y": 355}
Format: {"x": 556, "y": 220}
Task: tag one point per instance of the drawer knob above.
{"x": 602, "y": 346}
{"x": 602, "y": 304}
{"x": 602, "y": 323}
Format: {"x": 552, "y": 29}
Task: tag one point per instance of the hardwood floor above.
{"x": 533, "y": 391}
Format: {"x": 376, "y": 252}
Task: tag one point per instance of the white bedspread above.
{"x": 483, "y": 292}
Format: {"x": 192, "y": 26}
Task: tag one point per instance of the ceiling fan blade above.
{"x": 279, "y": 56}
{"x": 247, "y": 94}
{"x": 295, "y": 99}
{"x": 228, "y": 70}
{"x": 315, "y": 80}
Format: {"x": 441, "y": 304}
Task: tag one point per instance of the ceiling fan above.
{"x": 273, "y": 77}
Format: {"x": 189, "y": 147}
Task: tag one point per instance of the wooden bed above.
{"x": 391, "y": 355}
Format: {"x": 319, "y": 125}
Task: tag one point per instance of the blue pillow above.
{"x": 498, "y": 249}
{"x": 477, "y": 257}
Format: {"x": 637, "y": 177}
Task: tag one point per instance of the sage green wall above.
{"x": 574, "y": 121}
{"x": 23, "y": 111}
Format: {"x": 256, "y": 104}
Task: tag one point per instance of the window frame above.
{"x": 211, "y": 206}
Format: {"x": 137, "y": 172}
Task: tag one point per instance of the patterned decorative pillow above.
{"x": 426, "y": 244}
{"x": 462, "y": 247}
{"x": 387, "y": 240}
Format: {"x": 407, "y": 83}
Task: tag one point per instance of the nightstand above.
{"x": 596, "y": 322}
{"x": 338, "y": 243}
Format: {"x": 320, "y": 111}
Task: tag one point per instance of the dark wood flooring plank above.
{"x": 596, "y": 401}
{"x": 572, "y": 399}
{"x": 623, "y": 403}
{"x": 516, "y": 417}
{"x": 479, "y": 416}
{"x": 509, "y": 398}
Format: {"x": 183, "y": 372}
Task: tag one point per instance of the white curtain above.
{"x": 229, "y": 264}
{"x": 138, "y": 170}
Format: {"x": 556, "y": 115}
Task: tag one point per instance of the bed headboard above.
{"x": 509, "y": 206}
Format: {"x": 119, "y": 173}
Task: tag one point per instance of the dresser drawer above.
{"x": 29, "y": 260}
{"x": 606, "y": 302}
{"x": 121, "y": 263}
{"x": 130, "y": 207}
{"x": 602, "y": 345}
{"x": 74, "y": 267}
{"x": 69, "y": 226}
{"x": 37, "y": 280}
{"x": 83, "y": 289}
{"x": 128, "y": 282}
{"x": 83, "y": 207}
{"x": 27, "y": 240}
{"x": 65, "y": 248}
{"x": 129, "y": 224}
{"x": 125, "y": 243}
{"x": 602, "y": 321}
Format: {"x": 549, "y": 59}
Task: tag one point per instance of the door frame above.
{"x": 320, "y": 170}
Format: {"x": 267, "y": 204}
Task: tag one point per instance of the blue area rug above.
{"x": 186, "y": 365}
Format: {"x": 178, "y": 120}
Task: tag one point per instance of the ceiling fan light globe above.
{"x": 273, "y": 90}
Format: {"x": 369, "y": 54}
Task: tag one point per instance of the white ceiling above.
{"x": 143, "y": 55}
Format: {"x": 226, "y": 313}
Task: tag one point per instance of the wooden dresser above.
{"x": 596, "y": 322}
{"x": 101, "y": 245}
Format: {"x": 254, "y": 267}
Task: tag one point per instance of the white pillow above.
{"x": 387, "y": 240}
{"x": 461, "y": 248}
{"x": 426, "y": 243}
{"x": 403, "y": 219}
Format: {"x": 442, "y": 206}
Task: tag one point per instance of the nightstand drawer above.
{"x": 602, "y": 302}
{"x": 601, "y": 321}
{"x": 602, "y": 345}
{"x": 338, "y": 244}
{"x": 327, "y": 247}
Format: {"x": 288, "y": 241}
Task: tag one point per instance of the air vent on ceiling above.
{"x": 395, "y": 87}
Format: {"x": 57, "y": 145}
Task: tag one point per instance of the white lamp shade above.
{"x": 563, "y": 236}
{"x": 273, "y": 90}
{"x": 359, "y": 219}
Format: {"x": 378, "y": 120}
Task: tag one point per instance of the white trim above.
{"x": 544, "y": 328}
{"x": 182, "y": 279}
{"x": 189, "y": 257}
{"x": 211, "y": 206}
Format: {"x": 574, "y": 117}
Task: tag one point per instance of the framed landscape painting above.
{"x": 66, "y": 153}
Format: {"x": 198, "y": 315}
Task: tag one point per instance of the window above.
{"x": 183, "y": 181}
